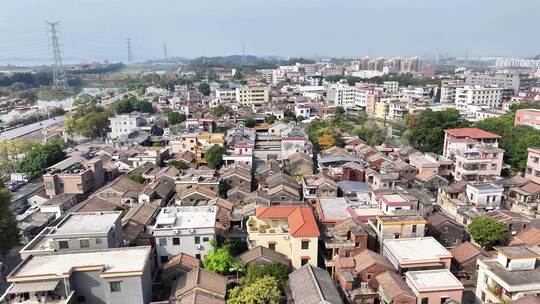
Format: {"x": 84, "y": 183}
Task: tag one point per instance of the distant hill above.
{"x": 537, "y": 57}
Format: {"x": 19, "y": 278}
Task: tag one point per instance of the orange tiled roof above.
{"x": 471, "y": 132}
{"x": 300, "y": 218}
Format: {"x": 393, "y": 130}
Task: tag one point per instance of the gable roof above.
{"x": 202, "y": 280}
{"x": 465, "y": 252}
{"x": 530, "y": 237}
{"x": 312, "y": 285}
{"x": 393, "y": 285}
{"x": 263, "y": 252}
{"x": 368, "y": 258}
{"x": 471, "y": 132}
{"x": 300, "y": 218}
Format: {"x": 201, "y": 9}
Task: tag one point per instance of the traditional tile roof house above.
{"x": 263, "y": 256}
{"x": 312, "y": 285}
{"x": 463, "y": 265}
{"x": 529, "y": 237}
{"x": 178, "y": 266}
{"x": 393, "y": 289}
{"x": 200, "y": 286}
{"x": 299, "y": 163}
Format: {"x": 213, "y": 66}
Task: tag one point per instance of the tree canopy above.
{"x": 487, "y": 231}
{"x": 214, "y": 156}
{"x": 221, "y": 110}
{"x": 219, "y": 259}
{"x": 204, "y": 88}
{"x": 178, "y": 164}
{"x": 41, "y": 157}
{"x": 426, "y": 131}
{"x": 264, "y": 290}
{"x": 137, "y": 177}
{"x": 9, "y": 231}
{"x": 174, "y": 118}
{"x": 275, "y": 270}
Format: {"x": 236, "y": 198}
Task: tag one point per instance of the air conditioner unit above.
{"x": 285, "y": 237}
{"x": 198, "y": 247}
{"x": 191, "y": 230}
{"x": 363, "y": 284}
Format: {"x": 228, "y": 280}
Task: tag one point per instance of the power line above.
{"x": 59, "y": 75}
{"x": 130, "y": 52}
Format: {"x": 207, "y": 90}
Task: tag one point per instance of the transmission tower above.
{"x": 165, "y": 51}
{"x": 130, "y": 52}
{"x": 59, "y": 75}
{"x": 243, "y": 53}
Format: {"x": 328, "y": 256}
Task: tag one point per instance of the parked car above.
{"x": 32, "y": 210}
{"x": 21, "y": 209}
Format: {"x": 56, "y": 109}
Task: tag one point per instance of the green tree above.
{"x": 371, "y": 133}
{"x": 204, "y": 88}
{"x": 238, "y": 75}
{"x": 270, "y": 118}
{"x": 275, "y": 270}
{"x": 142, "y": 106}
{"x": 219, "y": 259}
{"x": 41, "y": 157}
{"x": 178, "y": 164}
{"x": 91, "y": 125}
{"x": 264, "y": 290}
{"x": 221, "y": 110}
{"x": 487, "y": 231}
{"x": 250, "y": 123}
{"x": 214, "y": 156}
{"x": 137, "y": 177}
{"x": 175, "y": 118}
{"x": 339, "y": 110}
{"x": 438, "y": 94}
{"x": 9, "y": 231}
{"x": 426, "y": 132}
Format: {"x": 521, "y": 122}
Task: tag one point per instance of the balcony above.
{"x": 50, "y": 297}
{"x": 259, "y": 227}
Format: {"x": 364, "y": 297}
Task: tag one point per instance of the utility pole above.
{"x": 243, "y": 54}
{"x": 59, "y": 75}
{"x": 165, "y": 51}
{"x": 130, "y": 52}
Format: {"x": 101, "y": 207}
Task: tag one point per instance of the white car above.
{"x": 32, "y": 210}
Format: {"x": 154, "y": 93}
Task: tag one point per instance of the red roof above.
{"x": 300, "y": 218}
{"x": 471, "y": 132}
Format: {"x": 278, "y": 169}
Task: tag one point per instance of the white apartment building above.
{"x": 478, "y": 95}
{"x": 391, "y": 86}
{"x": 225, "y": 95}
{"x": 501, "y": 80}
{"x": 184, "y": 229}
{"x": 448, "y": 93}
{"x": 342, "y": 94}
{"x": 125, "y": 124}
{"x": 248, "y": 95}
{"x": 509, "y": 276}
{"x": 485, "y": 195}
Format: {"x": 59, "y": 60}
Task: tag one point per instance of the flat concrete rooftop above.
{"x": 187, "y": 217}
{"x": 416, "y": 249}
{"x": 437, "y": 278}
{"x": 87, "y": 223}
{"x": 128, "y": 259}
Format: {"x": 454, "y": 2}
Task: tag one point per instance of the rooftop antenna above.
{"x": 243, "y": 53}
{"x": 59, "y": 75}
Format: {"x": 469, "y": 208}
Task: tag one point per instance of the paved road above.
{"x": 110, "y": 100}
{"x": 21, "y": 131}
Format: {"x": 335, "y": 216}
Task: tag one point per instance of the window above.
{"x": 396, "y": 236}
{"x": 425, "y": 301}
{"x": 272, "y": 246}
{"x": 483, "y": 297}
{"x": 164, "y": 258}
{"x": 414, "y": 228}
{"x": 197, "y": 240}
{"x": 84, "y": 243}
{"x": 116, "y": 286}
{"x": 63, "y": 244}
{"x": 305, "y": 245}
{"x": 205, "y": 239}
{"x": 163, "y": 242}
{"x": 369, "y": 275}
{"x": 198, "y": 256}
{"x": 304, "y": 261}
{"x": 99, "y": 241}
{"x": 176, "y": 241}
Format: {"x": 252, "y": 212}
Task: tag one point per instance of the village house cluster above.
{"x": 352, "y": 224}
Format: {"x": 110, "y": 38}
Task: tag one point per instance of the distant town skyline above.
{"x": 97, "y": 30}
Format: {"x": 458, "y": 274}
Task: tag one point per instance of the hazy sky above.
{"x": 97, "y": 29}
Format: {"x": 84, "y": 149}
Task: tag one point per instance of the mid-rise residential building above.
{"x": 109, "y": 276}
{"x": 342, "y": 94}
{"x": 501, "y": 80}
{"x": 76, "y": 232}
{"x": 478, "y": 95}
{"x": 186, "y": 230}
{"x": 457, "y": 140}
{"x": 252, "y": 95}
{"x": 512, "y": 274}
{"x": 478, "y": 162}
{"x": 528, "y": 117}
{"x": 532, "y": 171}
{"x": 125, "y": 124}
{"x": 485, "y": 195}
{"x": 290, "y": 230}
{"x": 75, "y": 175}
